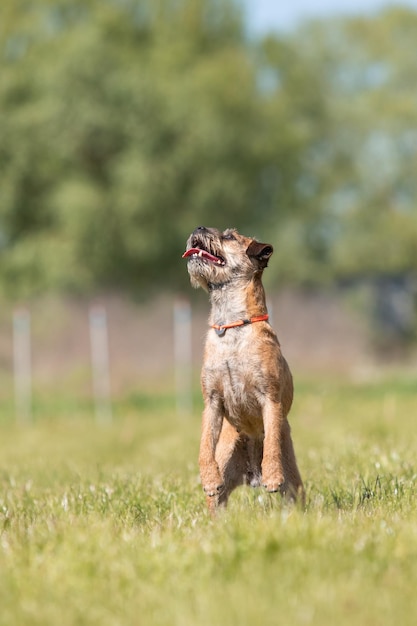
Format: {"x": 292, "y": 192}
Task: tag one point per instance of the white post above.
{"x": 22, "y": 365}
{"x": 183, "y": 357}
{"x": 100, "y": 364}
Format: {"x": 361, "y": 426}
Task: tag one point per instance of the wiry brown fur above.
{"x": 246, "y": 382}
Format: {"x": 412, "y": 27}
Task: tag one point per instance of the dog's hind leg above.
{"x": 254, "y": 463}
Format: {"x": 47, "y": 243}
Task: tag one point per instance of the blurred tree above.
{"x": 358, "y": 175}
{"x": 126, "y": 123}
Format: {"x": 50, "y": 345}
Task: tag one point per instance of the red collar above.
{"x": 221, "y": 329}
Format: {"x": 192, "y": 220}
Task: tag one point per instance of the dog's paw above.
{"x": 273, "y": 483}
{"x": 273, "y": 487}
{"x": 212, "y": 490}
{"x": 254, "y": 480}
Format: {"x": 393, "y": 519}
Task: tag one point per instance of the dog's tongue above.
{"x": 201, "y": 253}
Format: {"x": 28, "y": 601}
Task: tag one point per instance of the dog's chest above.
{"x": 233, "y": 373}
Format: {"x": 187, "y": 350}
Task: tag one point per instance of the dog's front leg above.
{"x": 272, "y": 468}
{"x": 211, "y": 478}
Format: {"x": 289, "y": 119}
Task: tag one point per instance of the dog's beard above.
{"x": 206, "y": 263}
{"x": 204, "y": 273}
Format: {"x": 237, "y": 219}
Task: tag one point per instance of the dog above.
{"x": 246, "y": 382}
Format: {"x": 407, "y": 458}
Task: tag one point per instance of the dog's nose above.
{"x": 200, "y": 230}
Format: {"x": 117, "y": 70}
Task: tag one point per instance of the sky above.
{"x": 269, "y": 15}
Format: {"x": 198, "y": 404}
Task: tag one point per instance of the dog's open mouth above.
{"x": 200, "y": 253}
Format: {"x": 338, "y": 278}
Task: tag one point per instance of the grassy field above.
{"x": 107, "y": 525}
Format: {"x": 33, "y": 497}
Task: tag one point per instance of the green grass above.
{"x": 107, "y": 526}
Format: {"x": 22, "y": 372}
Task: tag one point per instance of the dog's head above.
{"x": 217, "y": 258}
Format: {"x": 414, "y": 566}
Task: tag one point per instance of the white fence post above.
{"x": 100, "y": 364}
{"x": 22, "y": 365}
{"x": 183, "y": 357}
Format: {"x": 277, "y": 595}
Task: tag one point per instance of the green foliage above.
{"x": 360, "y": 166}
{"x": 125, "y": 124}
{"x": 108, "y": 525}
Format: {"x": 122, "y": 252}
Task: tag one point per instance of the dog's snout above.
{"x": 201, "y": 232}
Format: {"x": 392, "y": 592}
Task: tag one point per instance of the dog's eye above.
{"x": 229, "y": 237}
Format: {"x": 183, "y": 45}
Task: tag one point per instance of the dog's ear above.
{"x": 260, "y": 251}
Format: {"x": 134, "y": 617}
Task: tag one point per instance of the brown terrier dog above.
{"x": 247, "y": 384}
